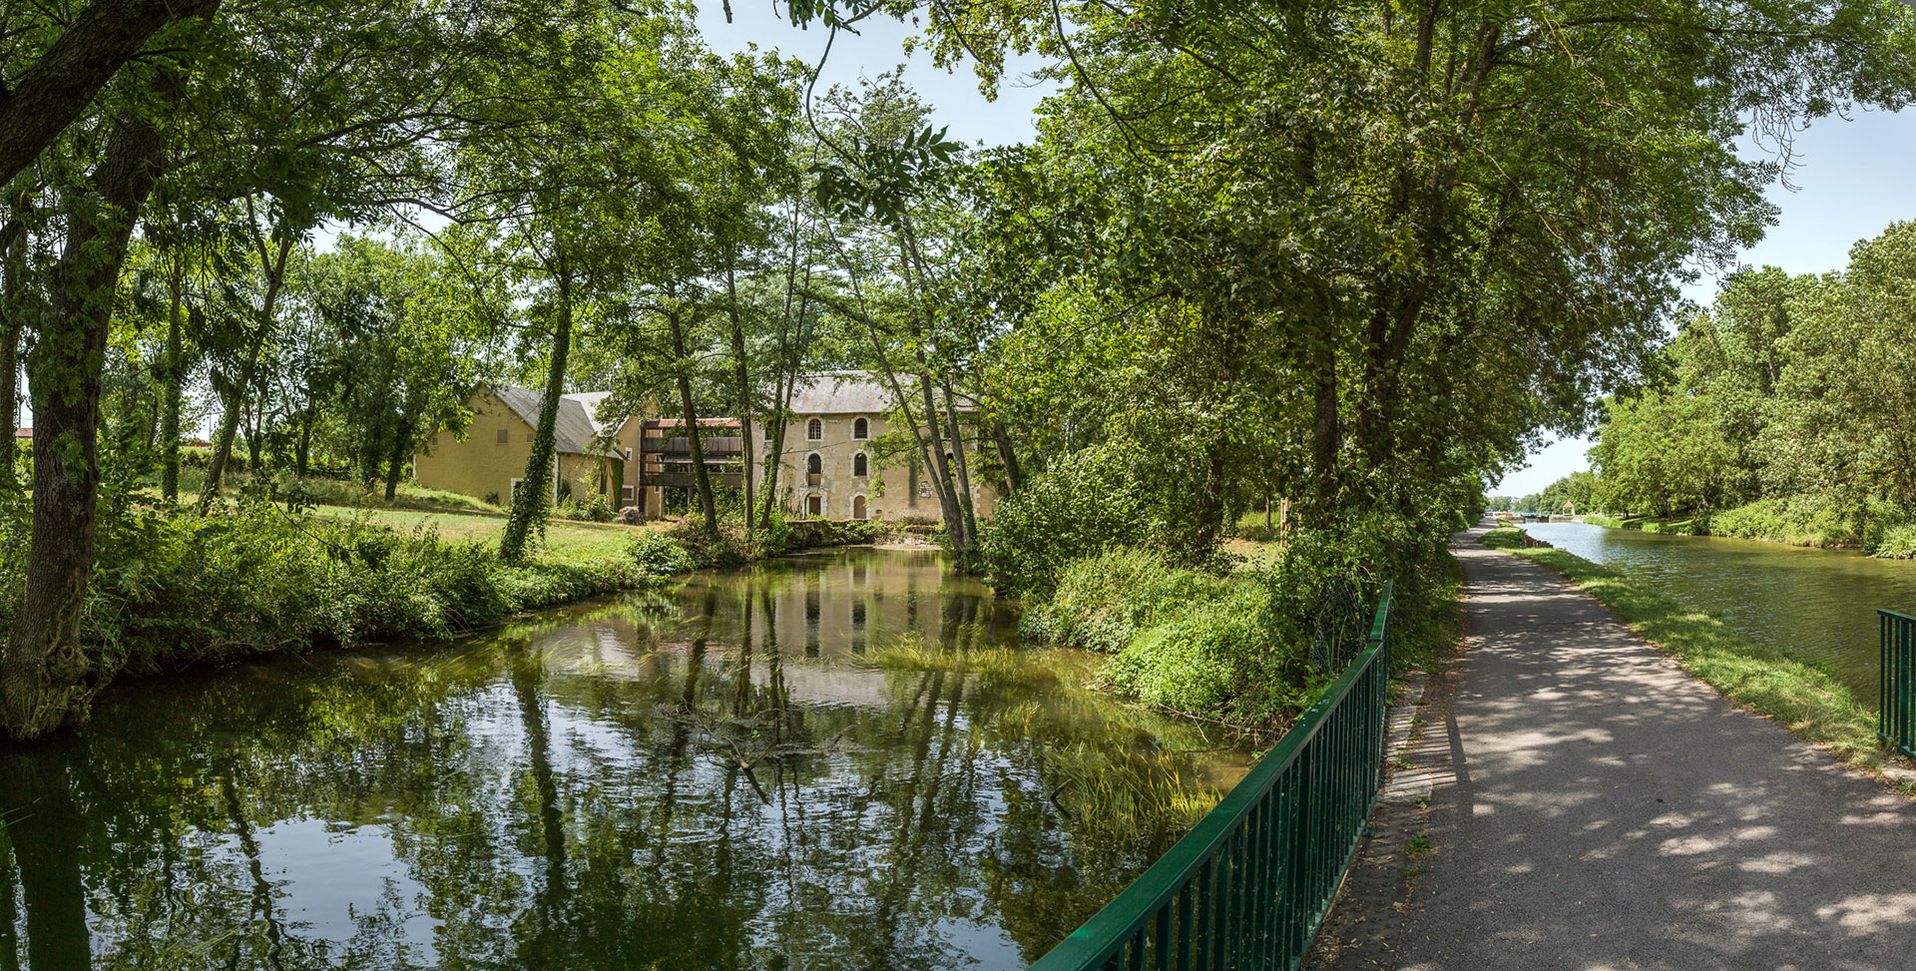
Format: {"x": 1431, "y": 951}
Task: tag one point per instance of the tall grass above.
{"x": 172, "y": 588}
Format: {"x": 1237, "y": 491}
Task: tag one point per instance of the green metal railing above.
{"x": 1896, "y": 681}
{"x": 1247, "y": 887}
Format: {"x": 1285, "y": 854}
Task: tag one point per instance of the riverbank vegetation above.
{"x": 1804, "y": 698}
{"x": 1778, "y": 413}
{"x": 1327, "y": 262}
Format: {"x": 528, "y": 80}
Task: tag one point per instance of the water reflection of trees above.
{"x": 626, "y": 789}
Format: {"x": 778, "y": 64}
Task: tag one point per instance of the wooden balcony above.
{"x": 716, "y": 446}
{"x": 686, "y": 480}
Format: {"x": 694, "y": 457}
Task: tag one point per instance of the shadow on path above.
{"x": 1603, "y": 810}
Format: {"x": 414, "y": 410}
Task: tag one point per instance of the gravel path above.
{"x": 1600, "y": 809}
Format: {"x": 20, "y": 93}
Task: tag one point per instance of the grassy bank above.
{"x": 1235, "y": 645}
{"x": 1802, "y": 697}
{"x": 173, "y": 588}
{"x": 1878, "y": 528}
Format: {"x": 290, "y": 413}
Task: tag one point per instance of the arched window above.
{"x": 858, "y": 508}
{"x": 860, "y": 465}
{"x": 814, "y": 429}
{"x": 814, "y": 465}
{"x": 861, "y": 429}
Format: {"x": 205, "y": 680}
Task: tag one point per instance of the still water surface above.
{"x": 1818, "y": 605}
{"x": 830, "y": 761}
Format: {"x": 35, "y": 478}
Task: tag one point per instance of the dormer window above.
{"x": 861, "y": 429}
{"x": 815, "y": 430}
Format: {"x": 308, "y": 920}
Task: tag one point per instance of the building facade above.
{"x": 838, "y": 459}
{"x": 488, "y": 459}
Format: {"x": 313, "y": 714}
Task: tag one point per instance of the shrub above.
{"x": 1199, "y": 655}
{"x": 172, "y": 589}
{"x": 812, "y": 533}
{"x": 659, "y": 555}
{"x": 1102, "y": 601}
{"x": 1081, "y": 506}
{"x": 592, "y": 508}
{"x": 1898, "y": 542}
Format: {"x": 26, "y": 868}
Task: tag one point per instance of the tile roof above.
{"x": 573, "y": 430}
{"x": 841, "y": 393}
{"x": 853, "y": 393}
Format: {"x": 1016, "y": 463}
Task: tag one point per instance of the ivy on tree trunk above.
{"x": 45, "y": 675}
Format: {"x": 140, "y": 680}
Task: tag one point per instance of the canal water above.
{"x": 841, "y": 760}
{"x": 1818, "y": 605}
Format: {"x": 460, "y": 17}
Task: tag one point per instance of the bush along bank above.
{"x": 172, "y": 589}
{"x": 1250, "y": 647}
{"x": 1878, "y": 528}
{"x": 1802, "y": 697}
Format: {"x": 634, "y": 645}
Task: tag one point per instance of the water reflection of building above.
{"x": 821, "y": 613}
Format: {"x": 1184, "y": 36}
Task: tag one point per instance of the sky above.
{"x": 1853, "y": 178}
{"x": 879, "y": 46}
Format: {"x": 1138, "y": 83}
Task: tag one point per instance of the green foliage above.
{"x": 592, "y": 508}
{"x": 1102, "y": 601}
{"x": 1776, "y": 414}
{"x": 816, "y": 533}
{"x": 172, "y": 589}
{"x": 1200, "y": 657}
{"x": 1252, "y": 647}
{"x": 659, "y": 555}
{"x": 1898, "y": 542}
{"x": 1081, "y": 505}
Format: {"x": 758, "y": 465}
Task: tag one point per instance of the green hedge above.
{"x": 172, "y": 588}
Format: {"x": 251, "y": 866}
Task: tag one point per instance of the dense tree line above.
{"x": 1349, "y": 255}
{"x": 1782, "y": 411}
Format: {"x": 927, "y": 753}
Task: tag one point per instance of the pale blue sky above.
{"x": 1854, "y": 176}
{"x": 879, "y": 46}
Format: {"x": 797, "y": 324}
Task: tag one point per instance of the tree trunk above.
{"x": 741, "y": 376}
{"x": 396, "y": 462}
{"x": 275, "y": 268}
{"x": 12, "y": 321}
{"x": 788, "y": 384}
{"x": 964, "y": 467}
{"x": 534, "y": 498}
{"x": 708, "y": 507}
{"x": 1007, "y": 456}
{"x": 303, "y": 451}
{"x": 44, "y": 680}
{"x": 255, "y": 420}
{"x": 60, "y": 85}
{"x": 941, "y": 479}
{"x": 172, "y": 395}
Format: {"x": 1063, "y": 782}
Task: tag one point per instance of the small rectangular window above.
{"x": 503, "y": 435}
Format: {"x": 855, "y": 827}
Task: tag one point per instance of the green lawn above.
{"x": 561, "y": 534}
